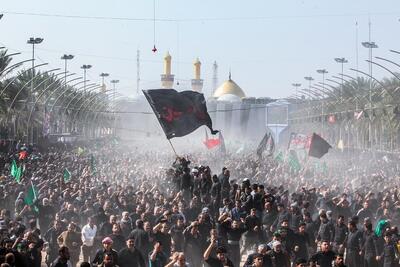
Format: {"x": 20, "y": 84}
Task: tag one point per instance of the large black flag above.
{"x": 266, "y": 143}
{"x": 179, "y": 113}
{"x": 318, "y": 146}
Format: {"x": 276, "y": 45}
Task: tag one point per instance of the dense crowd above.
{"x": 125, "y": 207}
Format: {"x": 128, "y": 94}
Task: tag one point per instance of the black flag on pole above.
{"x": 267, "y": 143}
{"x": 318, "y": 146}
{"x": 179, "y": 113}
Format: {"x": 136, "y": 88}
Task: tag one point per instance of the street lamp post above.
{"x": 103, "y": 75}
{"x": 66, "y": 58}
{"x": 341, "y": 61}
{"x": 370, "y": 45}
{"x": 309, "y": 79}
{"x": 323, "y": 72}
{"x": 33, "y": 41}
{"x": 296, "y": 86}
{"x": 114, "y": 82}
{"x": 85, "y": 68}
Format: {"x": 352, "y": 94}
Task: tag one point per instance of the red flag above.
{"x": 211, "y": 143}
{"x": 23, "y": 155}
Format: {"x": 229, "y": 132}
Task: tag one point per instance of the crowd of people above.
{"x": 126, "y": 207}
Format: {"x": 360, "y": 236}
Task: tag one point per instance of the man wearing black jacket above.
{"x": 353, "y": 246}
{"x": 325, "y": 256}
{"x": 340, "y": 233}
{"x": 370, "y": 247}
{"x": 130, "y": 256}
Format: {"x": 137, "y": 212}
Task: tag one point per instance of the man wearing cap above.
{"x": 107, "y": 249}
{"x": 130, "y": 256}
{"x": 221, "y": 260}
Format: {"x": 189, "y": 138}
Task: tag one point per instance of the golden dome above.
{"x": 229, "y": 87}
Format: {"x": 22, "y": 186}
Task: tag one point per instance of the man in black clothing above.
{"x": 234, "y": 232}
{"x": 225, "y": 185}
{"x": 268, "y": 217}
{"x": 161, "y": 234}
{"x": 324, "y": 257}
{"x": 51, "y": 238}
{"x": 130, "y": 256}
{"x": 63, "y": 258}
{"x": 339, "y": 261}
{"x": 253, "y": 225}
{"x": 353, "y": 246}
{"x": 107, "y": 249}
{"x": 278, "y": 256}
{"x": 186, "y": 184}
{"x": 221, "y": 260}
{"x": 301, "y": 243}
{"x": 388, "y": 256}
{"x": 261, "y": 250}
{"x": 340, "y": 233}
{"x": 141, "y": 237}
{"x": 370, "y": 247}
{"x": 176, "y": 233}
{"x": 326, "y": 229}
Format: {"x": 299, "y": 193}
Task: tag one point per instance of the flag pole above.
{"x": 173, "y": 148}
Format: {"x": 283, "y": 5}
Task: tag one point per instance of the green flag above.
{"x": 13, "y": 168}
{"x": 293, "y": 162}
{"x": 31, "y": 197}
{"x": 18, "y": 174}
{"x": 279, "y": 157}
{"x": 67, "y": 175}
{"x": 16, "y": 171}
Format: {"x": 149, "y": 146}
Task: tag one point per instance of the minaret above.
{"x": 197, "y": 83}
{"x": 167, "y": 79}
{"x": 215, "y": 78}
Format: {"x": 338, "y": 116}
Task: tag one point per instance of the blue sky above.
{"x": 268, "y": 45}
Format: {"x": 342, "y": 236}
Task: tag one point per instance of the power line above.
{"x": 200, "y": 19}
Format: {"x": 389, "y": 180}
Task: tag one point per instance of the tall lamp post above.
{"x": 103, "y": 75}
{"x": 33, "y": 41}
{"x": 370, "y": 45}
{"x": 309, "y": 79}
{"x": 85, "y": 68}
{"x": 114, "y": 82}
{"x": 323, "y": 72}
{"x": 341, "y": 61}
{"x": 66, "y": 58}
{"x": 296, "y": 86}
